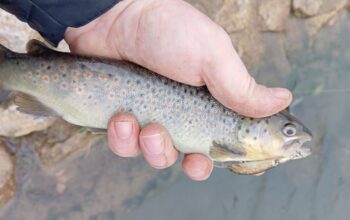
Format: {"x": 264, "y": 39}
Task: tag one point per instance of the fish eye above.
{"x": 289, "y": 130}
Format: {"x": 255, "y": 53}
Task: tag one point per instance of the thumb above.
{"x": 230, "y": 83}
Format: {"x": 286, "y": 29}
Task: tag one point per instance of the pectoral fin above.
{"x": 222, "y": 153}
{"x": 30, "y": 105}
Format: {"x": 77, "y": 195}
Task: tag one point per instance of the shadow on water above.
{"x": 314, "y": 188}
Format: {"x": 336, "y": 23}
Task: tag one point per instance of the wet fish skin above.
{"x": 89, "y": 91}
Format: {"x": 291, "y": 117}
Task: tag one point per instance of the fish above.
{"x": 88, "y": 91}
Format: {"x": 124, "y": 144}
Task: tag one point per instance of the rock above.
{"x": 208, "y": 7}
{"x": 61, "y": 143}
{"x": 249, "y": 46}
{"x": 235, "y": 15}
{"x": 14, "y": 123}
{"x": 273, "y": 14}
{"x": 308, "y": 8}
{"x": 7, "y": 176}
{"x": 314, "y": 24}
{"x": 332, "y": 5}
{"x": 304, "y": 8}
{"x": 14, "y": 34}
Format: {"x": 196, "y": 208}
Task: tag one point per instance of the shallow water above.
{"x": 99, "y": 186}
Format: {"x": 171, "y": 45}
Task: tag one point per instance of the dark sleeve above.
{"x": 51, "y": 17}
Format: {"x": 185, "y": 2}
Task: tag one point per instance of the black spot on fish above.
{"x": 174, "y": 87}
{"x": 265, "y": 130}
{"x": 64, "y": 75}
{"x": 89, "y": 97}
{"x": 212, "y": 105}
{"x": 48, "y": 67}
{"x": 165, "y": 82}
{"x": 247, "y": 131}
{"x": 138, "y": 82}
{"x": 191, "y": 92}
{"x": 267, "y": 121}
{"x": 258, "y": 121}
{"x": 153, "y": 90}
{"x": 109, "y": 75}
{"x": 128, "y": 82}
{"x": 185, "y": 90}
{"x": 148, "y": 86}
{"x": 82, "y": 66}
{"x": 17, "y": 62}
{"x": 255, "y": 138}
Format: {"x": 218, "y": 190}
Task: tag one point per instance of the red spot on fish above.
{"x": 79, "y": 90}
{"x": 116, "y": 81}
{"x": 75, "y": 73}
{"x": 103, "y": 76}
{"x": 46, "y": 78}
{"x": 74, "y": 82}
{"x": 55, "y": 78}
{"x": 29, "y": 75}
{"x": 111, "y": 95}
{"x": 64, "y": 86}
{"x": 87, "y": 75}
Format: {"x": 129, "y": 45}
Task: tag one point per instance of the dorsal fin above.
{"x": 35, "y": 47}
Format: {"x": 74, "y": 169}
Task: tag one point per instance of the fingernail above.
{"x": 123, "y": 129}
{"x": 154, "y": 144}
{"x": 280, "y": 93}
{"x": 199, "y": 170}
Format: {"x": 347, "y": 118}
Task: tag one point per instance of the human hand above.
{"x": 172, "y": 38}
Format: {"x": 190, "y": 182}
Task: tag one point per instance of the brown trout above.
{"x": 87, "y": 91}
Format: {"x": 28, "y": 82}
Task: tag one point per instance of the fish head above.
{"x": 289, "y": 138}
{"x": 279, "y": 136}
{"x": 270, "y": 141}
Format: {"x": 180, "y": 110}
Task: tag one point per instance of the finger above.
{"x": 229, "y": 81}
{"x": 157, "y": 147}
{"x": 197, "y": 166}
{"x": 123, "y": 133}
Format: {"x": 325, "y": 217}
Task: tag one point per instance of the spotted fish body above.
{"x": 88, "y": 91}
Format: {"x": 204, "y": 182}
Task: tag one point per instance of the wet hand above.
{"x": 174, "y": 39}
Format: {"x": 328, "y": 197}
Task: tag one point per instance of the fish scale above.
{"x": 88, "y": 91}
